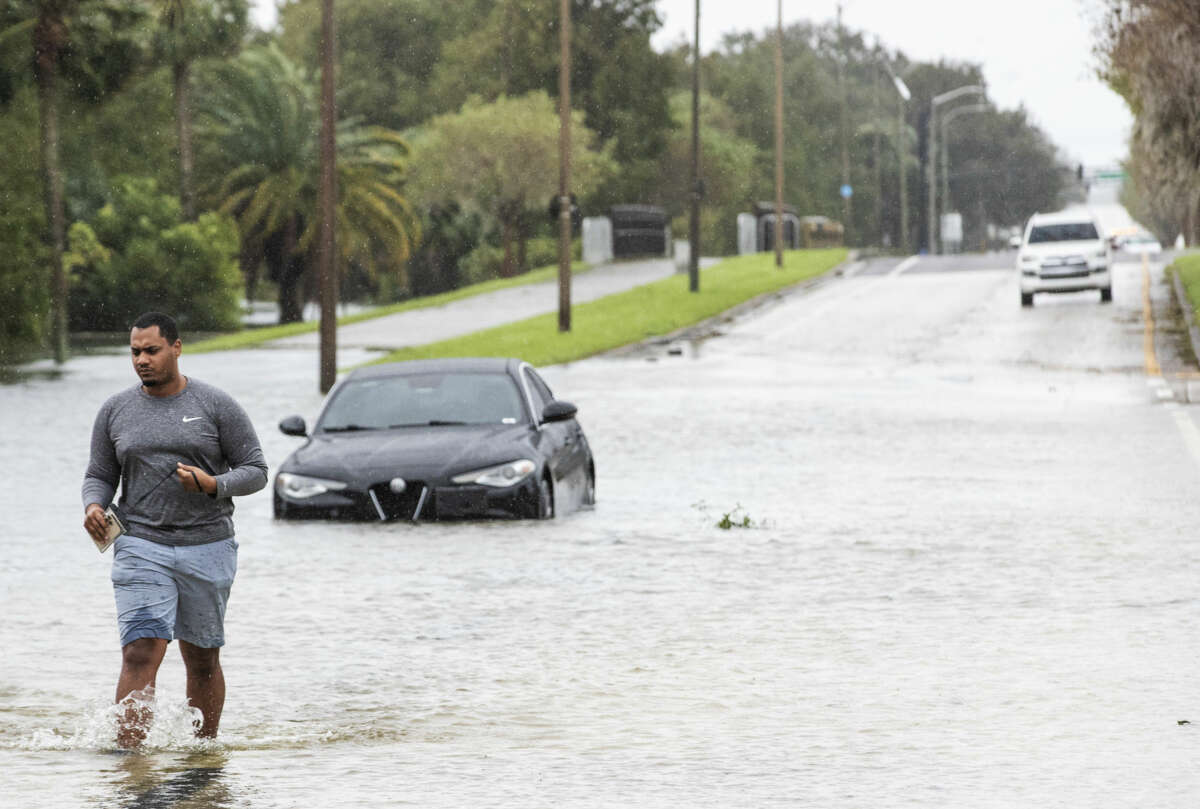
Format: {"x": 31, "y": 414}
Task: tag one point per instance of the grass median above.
{"x": 1188, "y": 268}
{"x": 651, "y": 310}
{"x": 249, "y": 338}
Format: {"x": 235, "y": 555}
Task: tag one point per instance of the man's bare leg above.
{"x": 140, "y": 660}
{"x": 205, "y": 685}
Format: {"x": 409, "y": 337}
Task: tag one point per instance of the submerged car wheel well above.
{"x": 544, "y": 508}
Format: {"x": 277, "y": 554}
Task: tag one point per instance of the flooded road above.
{"x": 969, "y": 580}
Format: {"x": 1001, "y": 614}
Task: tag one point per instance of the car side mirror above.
{"x": 558, "y": 411}
{"x": 293, "y": 425}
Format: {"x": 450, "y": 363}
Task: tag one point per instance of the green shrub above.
{"x": 542, "y": 251}
{"x": 481, "y": 264}
{"x": 138, "y": 256}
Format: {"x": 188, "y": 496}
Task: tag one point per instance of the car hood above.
{"x": 416, "y": 453}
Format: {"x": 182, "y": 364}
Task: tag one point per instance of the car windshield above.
{"x": 422, "y": 400}
{"x": 1065, "y": 232}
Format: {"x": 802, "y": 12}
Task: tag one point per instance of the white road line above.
{"x": 904, "y": 266}
{"x": 836, "y": 294}
{"x": 1191, "y": 434}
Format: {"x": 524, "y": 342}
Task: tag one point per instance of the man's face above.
{"x": 154, "y": 359}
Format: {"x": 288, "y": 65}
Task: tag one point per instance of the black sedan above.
{"x": 438, "y": 439}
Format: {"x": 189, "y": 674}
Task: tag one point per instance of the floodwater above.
{"x": 970, "y": 579}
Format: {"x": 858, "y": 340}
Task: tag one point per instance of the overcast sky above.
{"x": 1034, "y": 52}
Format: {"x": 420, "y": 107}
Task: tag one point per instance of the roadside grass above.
{"x": 1188, "y": 268}
{"x": 628, "y": 317}
{"x": 249, "y": 338}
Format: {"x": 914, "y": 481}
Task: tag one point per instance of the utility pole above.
{"x": 326, "y": 261}
{"x": 779, "y": 136}
{"x": 564, "y": 169}
{"x": 694, "y": 220}
{"x": 841, "y": 79}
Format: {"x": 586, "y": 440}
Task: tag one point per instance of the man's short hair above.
{"x": 166, "y": 325}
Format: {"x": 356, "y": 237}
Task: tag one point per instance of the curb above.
{"x": 1189, "y": 314}
{"x": 710, "y": 327}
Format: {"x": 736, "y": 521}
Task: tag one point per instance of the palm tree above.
{"x": 190, "y": 30}
{"x": 258, "y": 122}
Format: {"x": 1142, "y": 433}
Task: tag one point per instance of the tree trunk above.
{"x": 250, "y": 258}
{"x": 507, "y": 227}
{"x": 522, "y": 237}
{"x": 49, "y": 38}
{"x": 291, "y": 271}
{"x": 183, "y": 129}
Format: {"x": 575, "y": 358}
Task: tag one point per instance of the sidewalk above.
{"x": 486, "y": 310}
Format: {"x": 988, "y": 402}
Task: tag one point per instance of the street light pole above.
{"x": 901, "y": 156}
{"x": 901, "y": 151}
{"x": 779, "y": 136}
{"x": 694, "y": 219}
{"x": 946, "y": 119}
{"x": 564, "y": 169}
{"x": 875, "y": 153}
{"x": 932, "y": 155}
{"x": 326, "y": 261}
{"x": 841, "y": 80}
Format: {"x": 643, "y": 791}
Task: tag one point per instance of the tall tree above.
{"x": 189, "y": 30}
{"x": 501, "y": 156}
{"x": 95, "y": 45}
{"x": 1150, "y": 54}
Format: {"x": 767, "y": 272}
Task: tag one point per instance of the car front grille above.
{"x": 404, "y": 506}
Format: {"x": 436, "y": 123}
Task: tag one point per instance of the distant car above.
{"x": 1014, "y": 242}
{"x": 1064, "y": 252}
{"x": 1141, "y": 243}
{"x": 438, "y": 439}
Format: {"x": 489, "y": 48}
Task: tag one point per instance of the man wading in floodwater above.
{"x": 181, "y": 450}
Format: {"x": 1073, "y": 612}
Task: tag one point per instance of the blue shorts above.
{"x": 173, "y": 591}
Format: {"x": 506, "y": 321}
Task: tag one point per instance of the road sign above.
{"x": 847, "y": 192}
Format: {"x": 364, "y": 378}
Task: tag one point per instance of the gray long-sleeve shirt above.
{"x": 136, "y": 441}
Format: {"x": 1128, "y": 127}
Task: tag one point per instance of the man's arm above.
{"x": 102, "y": 477}
{"x": 103, "y": 473}
{"x": 239, "y": 443}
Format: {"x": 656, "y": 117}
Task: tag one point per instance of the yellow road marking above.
{"x": 1152, "y": 367}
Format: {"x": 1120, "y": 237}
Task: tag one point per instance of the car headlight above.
{"x": 1027, "y": 259}
{"x": 300, "y": 487}
{"x": 508, "y": 474}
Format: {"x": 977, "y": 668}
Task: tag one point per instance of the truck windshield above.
{"x": 1065, "y": 232}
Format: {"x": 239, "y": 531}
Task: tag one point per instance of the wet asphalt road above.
{"x": 969, "y": 580}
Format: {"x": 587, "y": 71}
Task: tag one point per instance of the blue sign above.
{"x": 847, "y": 192}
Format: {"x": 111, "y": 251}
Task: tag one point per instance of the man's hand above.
{"x": 94, "y": 522}
{"x": 195, "y": 479}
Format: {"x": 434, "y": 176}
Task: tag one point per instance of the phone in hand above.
{"x": 114, "y": 527}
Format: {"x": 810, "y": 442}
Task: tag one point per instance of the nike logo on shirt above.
{"x": 193, "y": 418}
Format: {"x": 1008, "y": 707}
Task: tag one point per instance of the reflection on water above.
{"x": 20, "y": 375}
{"x": 151, "y": 782}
